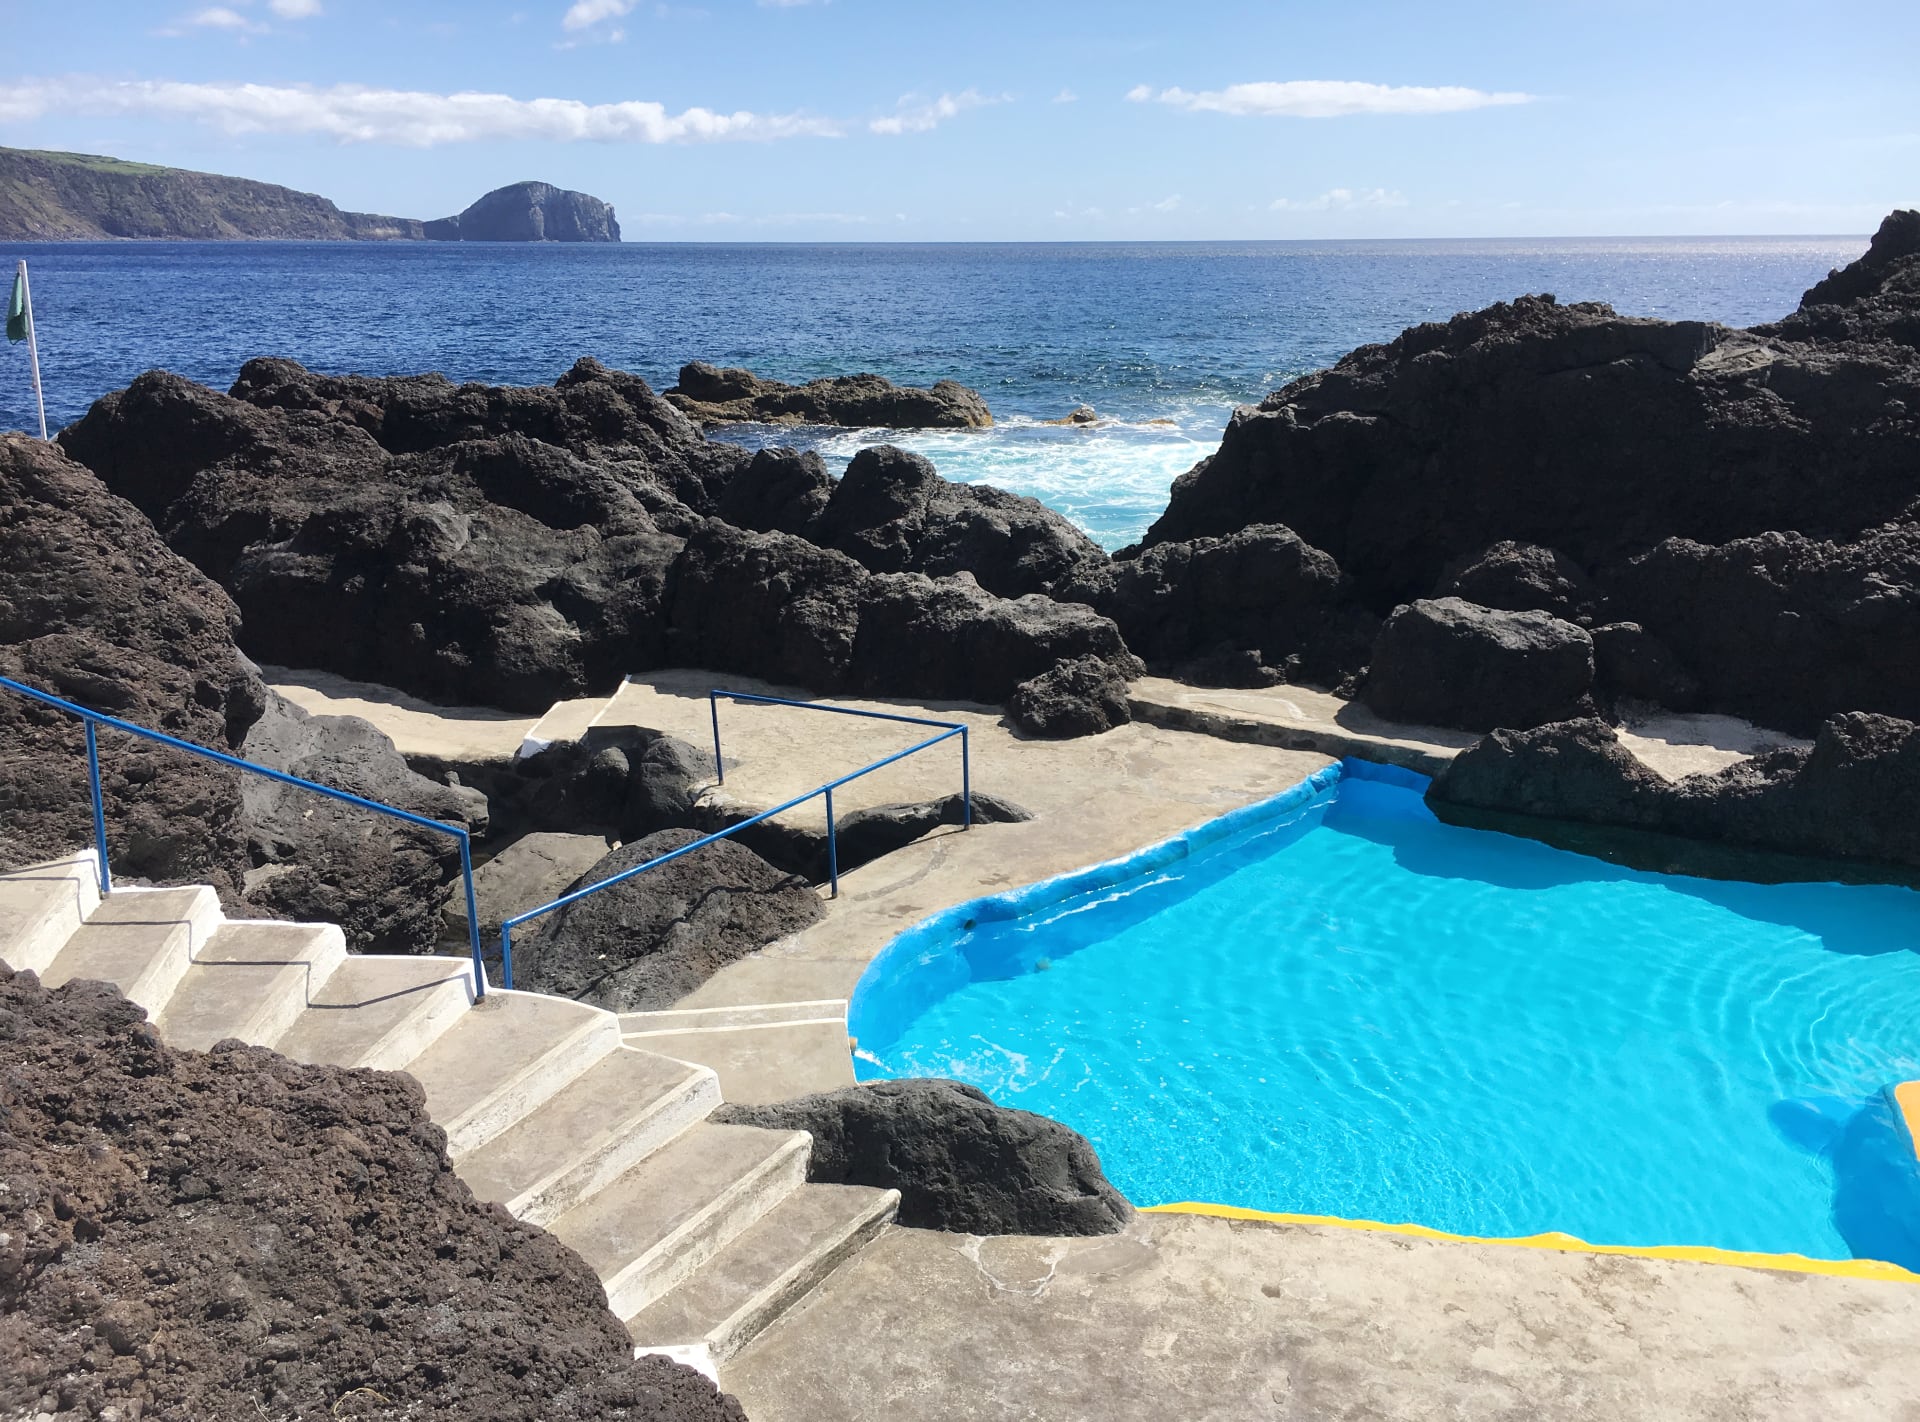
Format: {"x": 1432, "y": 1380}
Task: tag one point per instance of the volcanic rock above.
{"x": 1082, "y": 697}
{"x": 1261, "y": 601}
{"x": 514, "y": 548}
{"x": 319, "y": 859}
{"x": 960, "y": 1162}
{"x": 894, "y": 513}
{"x": 1567, "y": 426}
{"x": 1631, "y": 663}
{"x": 650, "y": 941}
{"x": 781, "y": 491}
{"x": 1850, "y": 797}
{"x": 231, "y": 1234}
{"x": 1519, "y": 577}
{"x": 1782, "y": 628}
{"x": 780, "y": 608}
{"x": 1448, "y": 662}
{"x": 1876, "y": 298}
{"x": 95, "y": 608}
{"x": 863, "y": 835}
{"x": 730, "y": 396}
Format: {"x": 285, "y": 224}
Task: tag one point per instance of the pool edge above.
{"x": 1874, "y": 1269}
{"x": 1906, "y": 1106}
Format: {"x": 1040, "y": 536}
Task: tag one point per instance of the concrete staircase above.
{"x": 702, "y": 1234}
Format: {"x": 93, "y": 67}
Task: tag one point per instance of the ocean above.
{"x": 1162, "y": 339}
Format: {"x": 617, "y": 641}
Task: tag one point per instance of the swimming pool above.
{"x": 1334, "y": 1004}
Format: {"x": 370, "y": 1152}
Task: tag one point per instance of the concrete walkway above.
{"x": 1208, "y": 1320}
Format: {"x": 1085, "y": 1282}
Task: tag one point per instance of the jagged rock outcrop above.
{"x": 1849, "y": 797}
{"x": 1449, "y": 662}
{"x": 960, "y": 1162}
{"x": 1082, "y": 697}
{"x": 231, "y": 1234}
{"x": 529, "y": 212}
{"x": 516, "y": 547}
{"x": 650, "y": 941}
{"x": 94, "y": 607}
{"x": 1745, "y": 498}
{"x": 893, "y": 512}
{"x": 1783, "y": 628}
{"x": 1254, "y": 608}
{"x": 731, "y": 396}
{"x": 778, "y": 607}
{"x": 862, "y": 836}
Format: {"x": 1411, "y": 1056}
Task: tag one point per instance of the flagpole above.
{"x": 33, "y": 349}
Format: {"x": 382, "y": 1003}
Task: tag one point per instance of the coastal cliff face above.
{"x": 529, "y": 212}
{"x": 78, "y": 197}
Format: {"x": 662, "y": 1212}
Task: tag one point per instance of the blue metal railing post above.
{"x": 719, "y": 766}
{"x": 95, "y": 718}
{"x": 99, "y": 810}
{"x": 966, "y": 782}
{"x": 473, "y": 916}
{"x": 833, "y": 849}
{"x": 506, "y": 953}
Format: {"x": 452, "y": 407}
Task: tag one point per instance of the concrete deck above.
{"x": 1093, "y": 799}
{"x": 1201, "y": 1319}
{"x": 424, "y": 728}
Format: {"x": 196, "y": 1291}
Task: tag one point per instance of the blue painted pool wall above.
{"x": 927, "y": 962}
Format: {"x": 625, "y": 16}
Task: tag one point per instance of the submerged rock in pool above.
{"x": 960, "y": 1162}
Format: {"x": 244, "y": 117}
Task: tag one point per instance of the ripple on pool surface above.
{"x": 1355, "y": 1010}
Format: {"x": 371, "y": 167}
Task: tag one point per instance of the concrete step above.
{"x": 621, "y": 1109}
{"x": 678, "y": 1020}
{"x": 251, "y": 981}
{"x": 41, "y": 906}
{"x": 140, "y": 940}
{"x": 379, "y": 1012}
{"x": 510, "y": 1053}
{"x": 766, "y": 1270}
{"x": 647, "y": 1231}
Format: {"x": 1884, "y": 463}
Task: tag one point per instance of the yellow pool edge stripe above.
{"x": 1906, "y": 1104}
{"x": 1566, "y": 1243}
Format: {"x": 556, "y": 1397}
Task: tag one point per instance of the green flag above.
{"x": 17, "y": 308}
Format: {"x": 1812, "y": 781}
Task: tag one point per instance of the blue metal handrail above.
{"x": 95, "y": 718}
{"x": 949, "y": 729}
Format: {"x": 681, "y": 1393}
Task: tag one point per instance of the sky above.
{"x": 974, "y": 120}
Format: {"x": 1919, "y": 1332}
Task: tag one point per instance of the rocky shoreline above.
{"x": 1524, "y": 517}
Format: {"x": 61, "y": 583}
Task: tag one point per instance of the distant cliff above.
{"x": 77, "y": 197}
{"x": 530, "y": 212}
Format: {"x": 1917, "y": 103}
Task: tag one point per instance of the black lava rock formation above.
{"x": 648, "y": 942}
{"x": 94, "y": 607}
{"x": 960, "y": 1162}
{"x": 231, "y": 1234}
{"x": 1746, "y": 498}
{"x": 514, "y": 547}
{"x": 1449, "y": 662}
{"x": 731, "y": 396}
{"x": 1848, "y": 798}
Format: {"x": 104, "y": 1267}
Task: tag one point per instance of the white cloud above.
{"x": 352, "y": 113}
{"x": 1340, "y": 200}
{"x": 1167, "y": 204}
{"x": 294, "y": 9}
{"x": 219, "y": 17}
{"x": 1066, "y": 96}
{"x": 788, "y": 4}
{"x": 585, "y": 13}
{"x": 1326, "y": 98}
{"x": 916, "y": 115}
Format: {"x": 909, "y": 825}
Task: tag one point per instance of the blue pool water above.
{"x": 1352, "y": 1009}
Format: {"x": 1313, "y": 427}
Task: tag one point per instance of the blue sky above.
{"x": 979, "y": 119}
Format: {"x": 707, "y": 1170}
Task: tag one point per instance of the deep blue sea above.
{"x": 1143, "y": 332}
